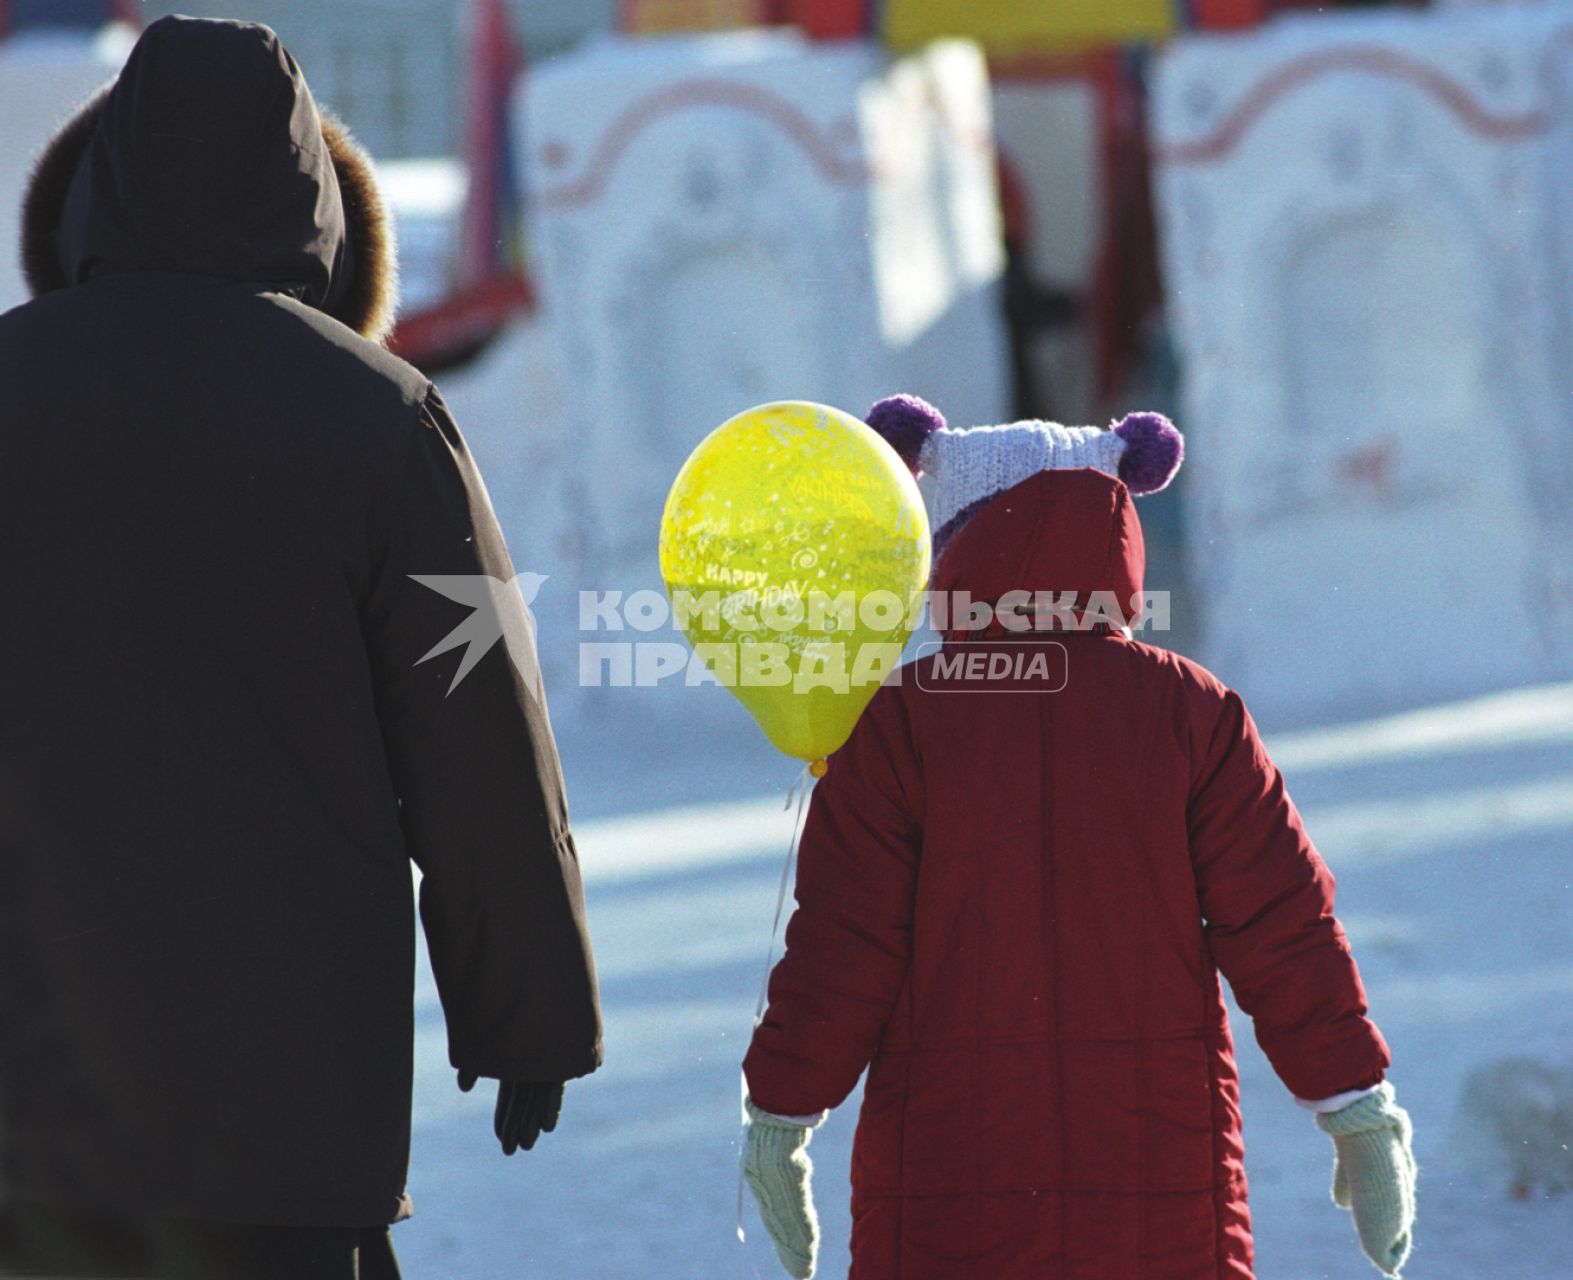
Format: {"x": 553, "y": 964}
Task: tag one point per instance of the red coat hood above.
{"x": 1057, "y": 531}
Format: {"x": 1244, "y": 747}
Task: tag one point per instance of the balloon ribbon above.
{"x": 798, "y": 792}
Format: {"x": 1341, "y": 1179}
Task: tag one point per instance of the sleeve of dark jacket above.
{"x": 849, "y": 942}
{"x": 478, "y": 779}
{"x": 1267, "y": 898}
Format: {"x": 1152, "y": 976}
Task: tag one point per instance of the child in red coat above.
{"x": 1020, "y": 880}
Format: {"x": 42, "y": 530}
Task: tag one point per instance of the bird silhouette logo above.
{"x": 500, "y": 611}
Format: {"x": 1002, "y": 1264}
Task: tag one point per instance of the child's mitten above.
{"x": 776, "y": 1164}
{"x": 1374, "y": 1174}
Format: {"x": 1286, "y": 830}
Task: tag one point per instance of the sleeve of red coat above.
{"x": 1267, "y": 898}
{"x": 849, "y": 941}
{"x": 479, "y": 783}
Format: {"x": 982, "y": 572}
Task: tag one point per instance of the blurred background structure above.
{"x": 1333, "y": 241}
{"x": 622, "y": 220}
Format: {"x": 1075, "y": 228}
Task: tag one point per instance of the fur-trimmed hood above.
{"x": 208, "y": 156}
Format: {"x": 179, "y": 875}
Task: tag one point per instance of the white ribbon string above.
{"x": 797, "y": 792}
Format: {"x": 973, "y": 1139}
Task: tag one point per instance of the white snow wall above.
{"x": 718, "y": 222}
{"x": 1367, "y": 251}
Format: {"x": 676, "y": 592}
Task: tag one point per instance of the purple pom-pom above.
{"x": 905, "y": 422}
{"x": 1153, "y": 451}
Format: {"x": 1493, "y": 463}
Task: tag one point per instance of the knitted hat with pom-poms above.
{"x": 971, "y": 466}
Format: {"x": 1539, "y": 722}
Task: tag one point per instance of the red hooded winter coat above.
{"x": 1013, "y": 909}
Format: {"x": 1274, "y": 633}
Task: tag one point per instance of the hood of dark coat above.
{"x": 1072, "y": 530}
{"x": 208, "y": 156}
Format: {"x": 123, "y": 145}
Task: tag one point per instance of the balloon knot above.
{"x": 818, "y": 768}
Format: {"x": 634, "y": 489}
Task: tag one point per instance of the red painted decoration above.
{"x": 827, "y": 19}
{"x": 1227, "y": 15}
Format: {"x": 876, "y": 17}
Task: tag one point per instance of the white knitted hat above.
{"x": 971, "y": 466}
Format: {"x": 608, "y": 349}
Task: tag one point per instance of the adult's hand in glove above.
{"x": 524, "y": 1111}
{"x": 776, "y": 1164}
{"x": 1374, "y": 1174}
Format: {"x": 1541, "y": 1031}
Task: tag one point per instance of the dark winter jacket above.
{"x": 1013, "y": 908}
{"x": 219, "y": 748}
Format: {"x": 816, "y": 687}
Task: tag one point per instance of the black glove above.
{"x": 524, "y": 1111}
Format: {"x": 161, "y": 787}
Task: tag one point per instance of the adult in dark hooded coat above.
{"x": 219, "y": 744}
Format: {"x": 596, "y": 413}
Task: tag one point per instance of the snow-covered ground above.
{"x": 1451, "y": 830}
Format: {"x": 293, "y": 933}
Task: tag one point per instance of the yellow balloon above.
{"x": 794, "y": 546}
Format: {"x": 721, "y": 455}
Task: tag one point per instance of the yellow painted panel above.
{"x": 1024, "y": 26}
{"x": 655, "y": 16}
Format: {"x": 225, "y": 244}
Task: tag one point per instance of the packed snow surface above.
{"x": 1450, "y": 829}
